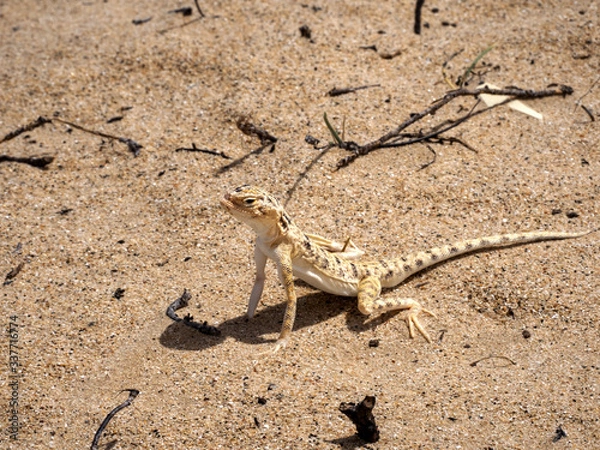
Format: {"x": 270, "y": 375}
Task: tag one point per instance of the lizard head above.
{"x": 256, "y": 208}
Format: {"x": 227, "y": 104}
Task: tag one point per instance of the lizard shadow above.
{"x": 349, "y": 443}
{"x": 265, "y": 326}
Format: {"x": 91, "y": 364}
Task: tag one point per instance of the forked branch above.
{"x": 398, "y": 137}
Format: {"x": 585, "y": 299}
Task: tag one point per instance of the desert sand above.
{"x": 107, "y": 240}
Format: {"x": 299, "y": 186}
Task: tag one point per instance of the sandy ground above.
{"x": 98, "y": 220}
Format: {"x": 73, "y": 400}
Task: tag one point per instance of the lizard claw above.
{"x": 280, "y": 344}
{"x": 412, "y": 321}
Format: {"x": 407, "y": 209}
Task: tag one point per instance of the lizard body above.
{"x": 336, "y": 268}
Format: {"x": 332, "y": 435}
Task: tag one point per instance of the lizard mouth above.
{"x": 226, "y": 202}
{"x": 231, "y": 207}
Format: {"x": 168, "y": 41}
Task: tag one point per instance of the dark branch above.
{"x": 249, "y": 129}
{"x": 133, "y": 146}
{"x": 399, "y": 138}
{"x": 418, "y": 7}
{"x": 40, "y": 121}
{"x": 202, "y": 150}
{"x": 40, "y": 161}
{"x": 362, "y": 417}
{"x": 133, "y": 393}
{"x": 188, "y": 320}
{"x": 198, "y": 8}
{"x": 341, "y": 91}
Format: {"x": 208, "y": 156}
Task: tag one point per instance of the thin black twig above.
{"x": 133, "y": 393}
{"x": 435, "y": 134}
{"x": 133, "y": 146}
{"x": 40, "y": 161}
{"x": 198, "y": 8}
{"x": 141, "y": 21}
{"x": 418, "y": 7}
{"x": 427, "y": 164}
{"x": 188, "y": 320}
{"x": 184, "y": 11}
{"x": 40, "y": 121}
{"x": 202, "y": 150}
{"x": 474, "y": 363}
{"x": 596, "y": 81}
{"x": 166, "y": 30}
{"x": 44, "y": 160}
{"x": 341, "y": 91}
{"x": 588, "y": 112}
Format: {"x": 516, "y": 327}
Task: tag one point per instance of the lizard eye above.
{"x": 249, "y": 201}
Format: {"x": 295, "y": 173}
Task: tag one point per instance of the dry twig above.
{"x": 40, "y": 161}
{"x": 474, "y": 363}
{"x": 249, "y": 129}
{"x": 418, "y": 7}
{"x": 398, "y": 137}
{"x": 133, "y": 146}
{"x": 188, "y": 320}
{"x": 341, "y": 91}
{"x": 13, "y": 273}
{"x": 202, "y": 150}
{"x": 133, "y": 393}
{"x": 362, "y": 417}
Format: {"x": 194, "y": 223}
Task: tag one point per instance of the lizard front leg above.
{"x": 260, "y": 259}
{"x": 284, "y": 266}
{"x": 370, "y": 301}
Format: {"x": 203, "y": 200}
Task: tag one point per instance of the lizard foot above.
{"x": 262, "y": 356}
{"x": 412, "y": 321}
{"x": 280, "y": 344}
{"x": 411, "y": 309}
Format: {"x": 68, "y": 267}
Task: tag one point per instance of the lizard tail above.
{"x": 416, "y": 262}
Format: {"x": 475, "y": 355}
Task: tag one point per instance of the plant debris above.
{"x": 399, "y": 138}
{"x": 13, "y": 273}
{"x": 361, "y": 415}
{"x": 390, "y": 55}
{"x": 559, "y": 434}
{"x": 185, "y": 11}
{"x": 305, "y": 32}
{"x": 40, "y": 161}
{"x": 198, "y": 8}
{"x": 474, "y": 363}
{"x": 418, "y": 7}
{"x": 44, "y": 160}
{"x": 40, "y": 121}
{"x": 202, "y": 150}
{"x": 141, "y": 21}
{"x": 249, "y": 129}
{"x": 188, "y": 320}
{"x": 341, "y": 91}
{"x": 133, "y": 393}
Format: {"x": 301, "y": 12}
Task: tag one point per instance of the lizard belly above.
{"x": 307, "y": 273}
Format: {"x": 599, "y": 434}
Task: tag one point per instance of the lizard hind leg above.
{"x": 370, "y": 301}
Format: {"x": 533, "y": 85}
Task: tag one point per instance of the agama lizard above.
{"x": 336, "y": 268}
